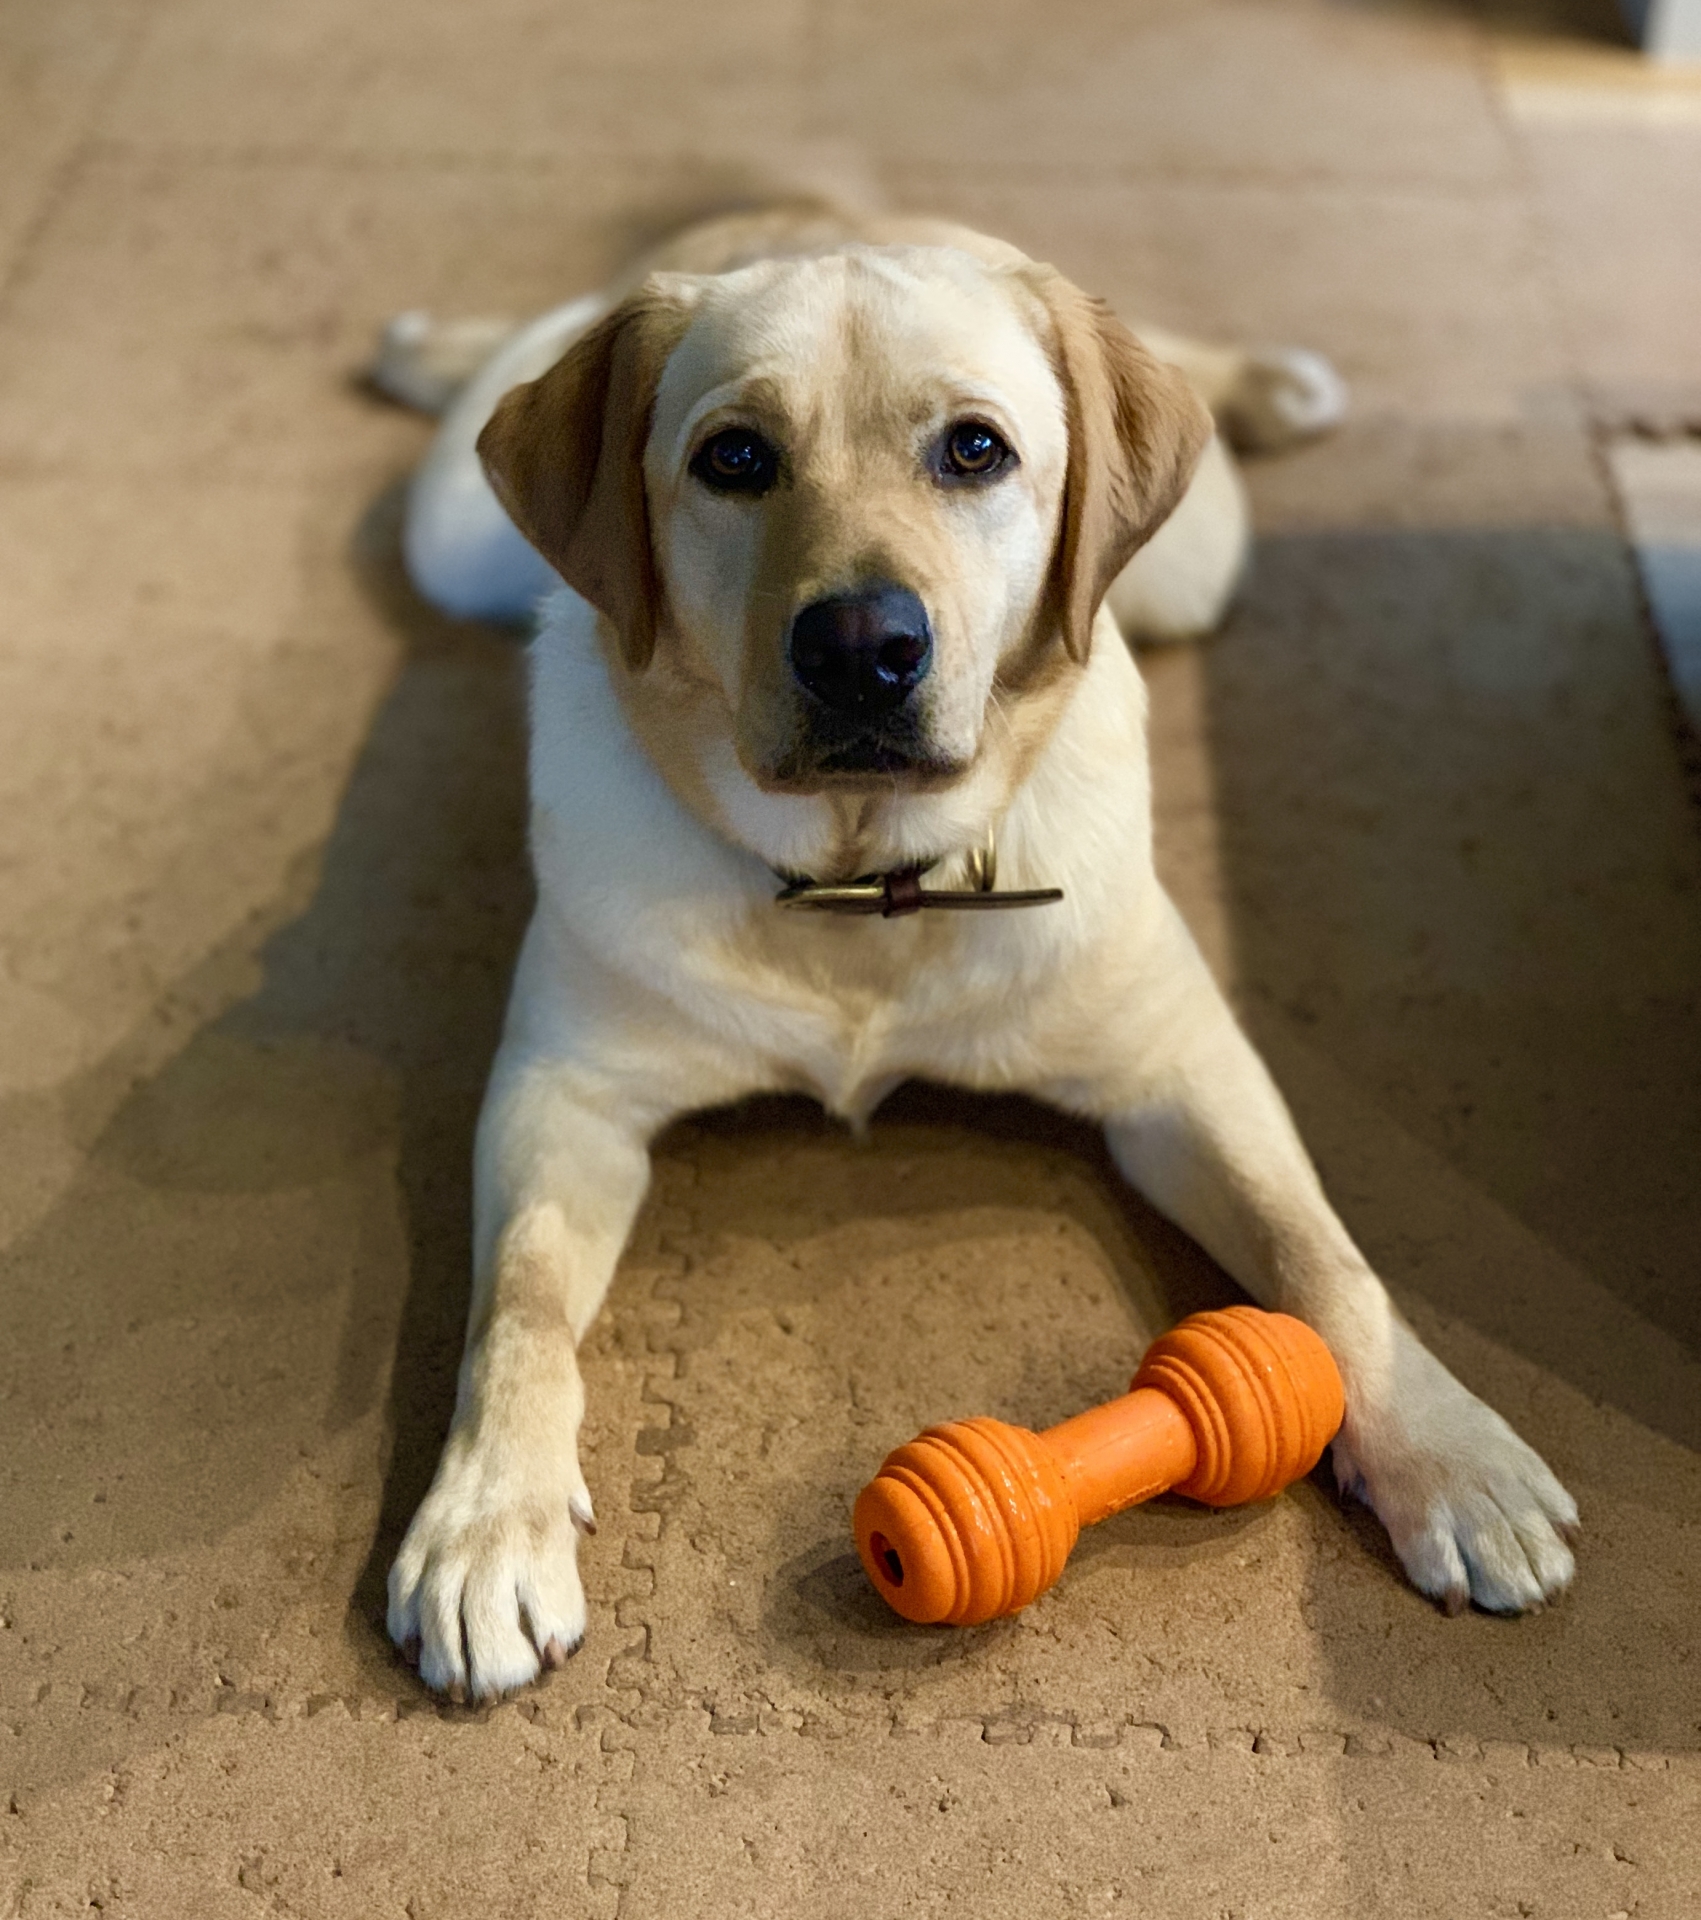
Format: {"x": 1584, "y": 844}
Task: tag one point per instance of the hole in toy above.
{"x": 886, "y": 1556}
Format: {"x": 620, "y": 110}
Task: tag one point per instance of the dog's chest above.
{"x": 851, "y": 1056}
{"x": 844, "y": 1010}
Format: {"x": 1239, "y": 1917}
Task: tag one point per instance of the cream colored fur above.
{"x": 658, "y": 975}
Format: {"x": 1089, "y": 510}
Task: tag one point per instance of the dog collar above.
{"x": 899, "y": 892}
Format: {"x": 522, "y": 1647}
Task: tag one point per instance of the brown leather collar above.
{"x": 892, "y": 895}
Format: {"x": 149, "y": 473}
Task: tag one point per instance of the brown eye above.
{"x": 972, "y": 451}
{"x": 735, "y": 460}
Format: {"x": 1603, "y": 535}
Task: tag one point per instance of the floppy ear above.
{"x": 565, "y": 456}
{"x": 1136, "y": 430}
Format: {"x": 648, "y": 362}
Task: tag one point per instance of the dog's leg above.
{"x": 486, "y": 1584}
{"x": 424, "y": 362}
{"x": 1179, "y": 585}
{"x": 1196, "y": 1123}
{"x": 1264, "y": 398}
{"x": 463, "y": 552}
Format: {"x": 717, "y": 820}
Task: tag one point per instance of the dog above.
{"x": 836, "y": 527}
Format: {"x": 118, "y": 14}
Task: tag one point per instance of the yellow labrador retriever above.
{"x": 828, "y": 702}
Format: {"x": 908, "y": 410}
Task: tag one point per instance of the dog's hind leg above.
{"x": 463, "y": 552}
{"x": 1179, "y": 585}
{"x": 424, "y": 362}
{"x": 1263, "y": 398}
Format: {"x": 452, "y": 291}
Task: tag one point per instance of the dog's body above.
{"x": 840, "y": 505}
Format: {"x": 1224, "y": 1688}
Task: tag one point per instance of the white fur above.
{"x": 658, "y": 977}
{"x": 463, "y": 552}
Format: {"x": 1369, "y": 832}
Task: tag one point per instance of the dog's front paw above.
{"x": 1283, "y": 395}
{"x": 1473, "y": 1512}
{"x": 486, "y": 1585}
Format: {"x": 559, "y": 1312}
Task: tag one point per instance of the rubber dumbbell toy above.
{"x": 975, "y": 1519}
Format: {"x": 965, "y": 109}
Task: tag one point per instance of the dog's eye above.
{"x": 735, "y": 460}
{"x": 972, "y": 451}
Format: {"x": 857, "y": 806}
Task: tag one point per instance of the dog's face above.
{"x": 850, "y": 517}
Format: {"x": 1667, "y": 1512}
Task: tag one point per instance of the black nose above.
{"x": 862, "y": 653}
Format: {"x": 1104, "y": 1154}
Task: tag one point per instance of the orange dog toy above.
{"x": 976, "y": 1519}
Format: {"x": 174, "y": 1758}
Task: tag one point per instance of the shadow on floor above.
{"x": 1464, "y": 880}
{"x": 1592, "y": 21}
{"x": 272, "y": 1208}
{"x": 1465, "y": 884}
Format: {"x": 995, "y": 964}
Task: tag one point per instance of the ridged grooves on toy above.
{"x": 1261, "y": 1394}
{"x": 977, "y": 1516}
{"x": 975, "y": 1519}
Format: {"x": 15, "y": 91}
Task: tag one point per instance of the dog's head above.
{"x": 850, "y": 518}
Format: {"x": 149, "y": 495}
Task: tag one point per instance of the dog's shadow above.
{"x": 425, "y": 896}
{"x": 296, "y": 1173}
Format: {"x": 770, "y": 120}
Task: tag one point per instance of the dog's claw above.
{"x": 1474, "y": 1513}
{"x": 583, "y": 1516}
